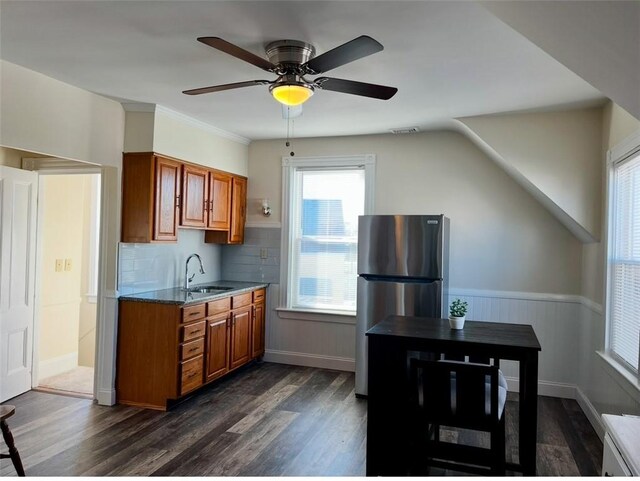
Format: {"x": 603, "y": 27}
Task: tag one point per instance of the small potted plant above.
{"x": 457, "y": 311}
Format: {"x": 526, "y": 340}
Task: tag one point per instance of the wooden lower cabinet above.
{"x": 166, "y": 351}
{"x": 217, "y": 363}
{"x": 240, "y": 337}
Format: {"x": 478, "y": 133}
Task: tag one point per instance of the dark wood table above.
{"x": 389, "y": 419}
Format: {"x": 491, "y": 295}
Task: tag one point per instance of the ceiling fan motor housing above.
{"x": 289, "y": 54}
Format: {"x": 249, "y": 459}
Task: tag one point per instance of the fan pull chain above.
{"x": 289, "y": 128}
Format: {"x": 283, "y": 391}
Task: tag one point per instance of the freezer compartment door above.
{"x": 378, "y": 299}
{"x": 402, "y": 245}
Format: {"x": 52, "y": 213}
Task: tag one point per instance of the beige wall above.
{"x": 189, "y": 140}
{"x": 558, "y": 153}
{"x": 63, "y": 203}
{"x": 40, "y": 114}
{"x": 501, "y": 238}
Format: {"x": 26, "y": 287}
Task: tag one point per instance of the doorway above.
{"x": 67, "y": 280}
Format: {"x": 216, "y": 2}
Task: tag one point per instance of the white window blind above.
{"x": 325, "y": 205}
{"x": 624, "y": 263}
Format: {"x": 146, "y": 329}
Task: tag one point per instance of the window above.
{"x": 323, "y": 199}
{"x": 624, "y": 260}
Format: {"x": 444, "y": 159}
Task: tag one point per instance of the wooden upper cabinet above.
{"x": 235, "y": 233}
{"x": 150, "y": 198}
{"x": 219, "y": 201}
{"x": 195, "y": 196}
{"x": 238, "y": 210}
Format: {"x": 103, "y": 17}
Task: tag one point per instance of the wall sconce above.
{"x": 266, "y": 210}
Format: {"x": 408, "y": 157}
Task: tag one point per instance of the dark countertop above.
{"x": 179, "y": 296}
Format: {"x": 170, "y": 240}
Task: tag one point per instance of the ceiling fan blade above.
{"x": 237, "y": 52}
{"x": 345, "y": 53}
{"x": 219, "y": 88}
{"x": 381, "y": 92}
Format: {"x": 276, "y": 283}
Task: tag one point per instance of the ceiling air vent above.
{"x": 405, "y": 130}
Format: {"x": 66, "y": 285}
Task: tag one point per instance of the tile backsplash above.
{"x": 149, "y": 267}
{"x": 244, "y": 262}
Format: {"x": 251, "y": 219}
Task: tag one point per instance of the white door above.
{"x": 18, "y": 208}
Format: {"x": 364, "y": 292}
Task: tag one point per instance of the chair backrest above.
{"x": 454, "y": 393}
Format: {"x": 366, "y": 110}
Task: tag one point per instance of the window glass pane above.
{"x": 326, "y": 206}
{"x": 625, "y": 263}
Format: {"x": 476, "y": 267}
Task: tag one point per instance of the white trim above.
{"x": 94, "y": 238}
{"x": 310, "y": 360}
{"x": 316, "y": 316}
{"x": 289, "y": 164}
{"x": 591, "y": 412}
{"x": 626, "y": 147}
{"x": 621, "y": 375}
{"x": 56, "y": 365}
{"x": 138, "y": 107}
{"x": 56, "y": 166}
{"x": 529, "y": 296}
{"x": 264, "y": 225}
{"x": 202, "y": 125}
{"x": 546, "y": 388}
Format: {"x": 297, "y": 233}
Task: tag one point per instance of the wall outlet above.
{"x": 59, "y": 265}
{"x": 67, "y": 264}
{"x": 263, "y": 253}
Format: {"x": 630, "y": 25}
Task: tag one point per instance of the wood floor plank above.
{"x": 265, "y": 419}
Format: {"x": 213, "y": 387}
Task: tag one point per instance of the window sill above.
{"x": 621, "y": 375}
{"x": 335, "y": 317}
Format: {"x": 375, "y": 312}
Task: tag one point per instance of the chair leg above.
{"x": 13, "y": 451}
{"x": 498, "y": 449}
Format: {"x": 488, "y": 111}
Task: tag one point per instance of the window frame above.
{"x": 623, "y": 152}
{"x": 290, "y": 166}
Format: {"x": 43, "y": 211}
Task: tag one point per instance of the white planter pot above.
{"x": 456, "y": 322}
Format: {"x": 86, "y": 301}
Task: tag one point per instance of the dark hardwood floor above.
{"x": 266, "y": 420}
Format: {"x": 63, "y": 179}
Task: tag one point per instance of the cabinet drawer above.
{"x": 192, "y": 349}
{"x": 193, "y": 331}
{"x": 241, "y": 300}
{"x": 219, "y": 306}
{"x": 191, "y": 377}
{"x": 193, "y": 313}
{"x": 258, "y": 295}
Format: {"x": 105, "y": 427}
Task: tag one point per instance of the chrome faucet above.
{"x": 188, "y": 279}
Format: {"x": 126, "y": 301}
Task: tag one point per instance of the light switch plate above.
{"x": 67, "y": 264}
{"x": 59, "y": 265}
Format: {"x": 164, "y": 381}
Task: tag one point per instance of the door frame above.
{"x": 56, "y": 166}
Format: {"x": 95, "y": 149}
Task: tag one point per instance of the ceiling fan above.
{"x": 292, "y": 60}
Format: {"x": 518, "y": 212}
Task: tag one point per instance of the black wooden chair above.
{"x": 461, "y": 395}
{"x": 7, "y": 411}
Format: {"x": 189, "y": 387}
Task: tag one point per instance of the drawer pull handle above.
{"x": 193, "y": 349}
{"x": 195, "y": 313}
{"x": 192, "y": 375}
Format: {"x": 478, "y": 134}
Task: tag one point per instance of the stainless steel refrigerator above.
{"x": 403, "y": 268}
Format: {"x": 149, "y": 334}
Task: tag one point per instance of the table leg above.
{"x": 528, "y": 431}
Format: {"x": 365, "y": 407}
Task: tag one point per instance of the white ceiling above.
{"x": 447, "y": 59}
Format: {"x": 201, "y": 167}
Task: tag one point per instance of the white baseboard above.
{"x": 591, "y": 412}
{"x": 57, "y": 365}
{"x": 310, "y": 360}
{"x": 106, "y": 397}
{"x": 546, "y": 388}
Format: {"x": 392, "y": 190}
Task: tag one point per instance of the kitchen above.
{"x": 517, "y": 259}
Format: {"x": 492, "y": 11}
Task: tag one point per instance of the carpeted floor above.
{"x": 76, "y": 381}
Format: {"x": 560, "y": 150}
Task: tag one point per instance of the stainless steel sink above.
{"x": 210, "y": 289}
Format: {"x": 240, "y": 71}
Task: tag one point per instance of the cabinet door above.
{"x": 217, "y": 348}
{"x": 257, "y": 330}
{"x": 240, "y": 337}
{"x": 219, "y": 201}
{"x": 195, "y": 196}
{"x": 238, "y": 212}
{"x": 166, "y": 195}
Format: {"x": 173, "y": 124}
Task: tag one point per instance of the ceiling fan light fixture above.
{"x": 291, "y": 94}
